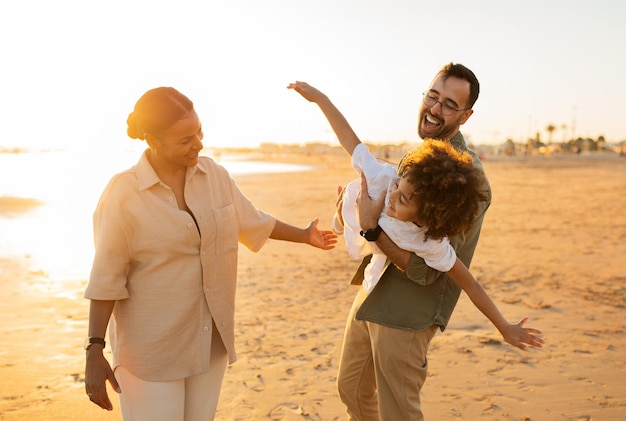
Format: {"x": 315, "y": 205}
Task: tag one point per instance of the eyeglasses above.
{"x": 447, "y": 109}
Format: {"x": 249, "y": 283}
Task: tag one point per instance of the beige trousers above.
{"x": 382, "y": 369}
{"x": 190, "y": 399}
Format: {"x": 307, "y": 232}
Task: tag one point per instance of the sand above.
{"x": 553, "y": 248}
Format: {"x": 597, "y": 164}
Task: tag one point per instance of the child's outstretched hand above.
{"x": 307, "y": 91}
{"x": 520, "y": 336}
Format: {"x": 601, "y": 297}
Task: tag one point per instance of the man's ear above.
{"x": 466, "y": 115}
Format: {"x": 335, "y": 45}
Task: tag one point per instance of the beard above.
{"x": 432, "y": 127}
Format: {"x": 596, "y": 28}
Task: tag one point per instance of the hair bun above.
{"x": 132, "y": 130}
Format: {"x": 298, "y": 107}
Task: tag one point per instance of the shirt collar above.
{"x": 458, "y": 141}
{"x": 147, "y": 177}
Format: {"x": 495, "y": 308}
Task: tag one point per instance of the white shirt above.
{"x": 171, "y": 278}
{"x": 438, "y": 254}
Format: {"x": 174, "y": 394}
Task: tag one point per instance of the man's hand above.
{"x": 339, "y": 203}
{"x": 369, "y": 210}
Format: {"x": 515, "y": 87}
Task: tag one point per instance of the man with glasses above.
{"x": 383, "y": 361}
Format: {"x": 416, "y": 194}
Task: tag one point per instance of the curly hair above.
{"x": 447, "y": 187}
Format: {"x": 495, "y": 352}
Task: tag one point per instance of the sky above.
{"x": 72, "y": 70}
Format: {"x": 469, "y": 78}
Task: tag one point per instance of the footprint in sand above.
{"x": 323, "y": 349}
{"x": 258, "y": 387}
{"x": 283, "y": 410}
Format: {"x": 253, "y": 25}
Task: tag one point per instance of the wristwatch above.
{"x": 372, "y": 235}
{"x": 91, "y": 341}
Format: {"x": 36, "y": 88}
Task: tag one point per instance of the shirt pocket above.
{"x": 227, "y": 230}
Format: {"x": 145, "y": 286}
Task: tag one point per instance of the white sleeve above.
{"x": 378, "y": 174}
{"x": 336, "y": 226}
{"x": 440, "y": 256}
{"x": 357, "y": 246}
{"x": 437, "y": 254}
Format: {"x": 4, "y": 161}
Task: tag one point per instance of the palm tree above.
{"x": 550, "y": 129}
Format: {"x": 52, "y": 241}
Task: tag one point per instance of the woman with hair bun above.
{"x": 164, "y": 273}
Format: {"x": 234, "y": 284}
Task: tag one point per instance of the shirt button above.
{"x": 171, "y": 199}
{"x": 206, "y": 328}
{"x": 189, "y": 225}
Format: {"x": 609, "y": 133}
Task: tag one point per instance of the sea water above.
{"x": 57, "y": 237}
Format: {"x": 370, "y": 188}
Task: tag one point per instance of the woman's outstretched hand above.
{"x": 322, "y": 239}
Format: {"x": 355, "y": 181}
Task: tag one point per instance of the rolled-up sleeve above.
{"x": 112, "y": 255}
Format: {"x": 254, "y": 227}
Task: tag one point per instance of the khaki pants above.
{"x": 190, "y": 399}
{"x": 382, "y": 369}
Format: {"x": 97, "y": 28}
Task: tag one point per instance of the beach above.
{"x": 552, "y": 248}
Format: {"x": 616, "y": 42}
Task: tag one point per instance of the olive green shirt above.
{"x": 422, "y": 296}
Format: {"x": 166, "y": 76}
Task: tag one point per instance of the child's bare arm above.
{"x": 515, "y": 334}
{"x": 338, "y": 122}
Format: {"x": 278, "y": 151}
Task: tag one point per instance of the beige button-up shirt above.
{"x": 171, "y": 276}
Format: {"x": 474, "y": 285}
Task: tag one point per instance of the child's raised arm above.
{"x": 339, "y": 124}
{"x": 515, "y": 334}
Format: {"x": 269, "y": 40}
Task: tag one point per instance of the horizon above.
{"x": 139, "y": 148}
